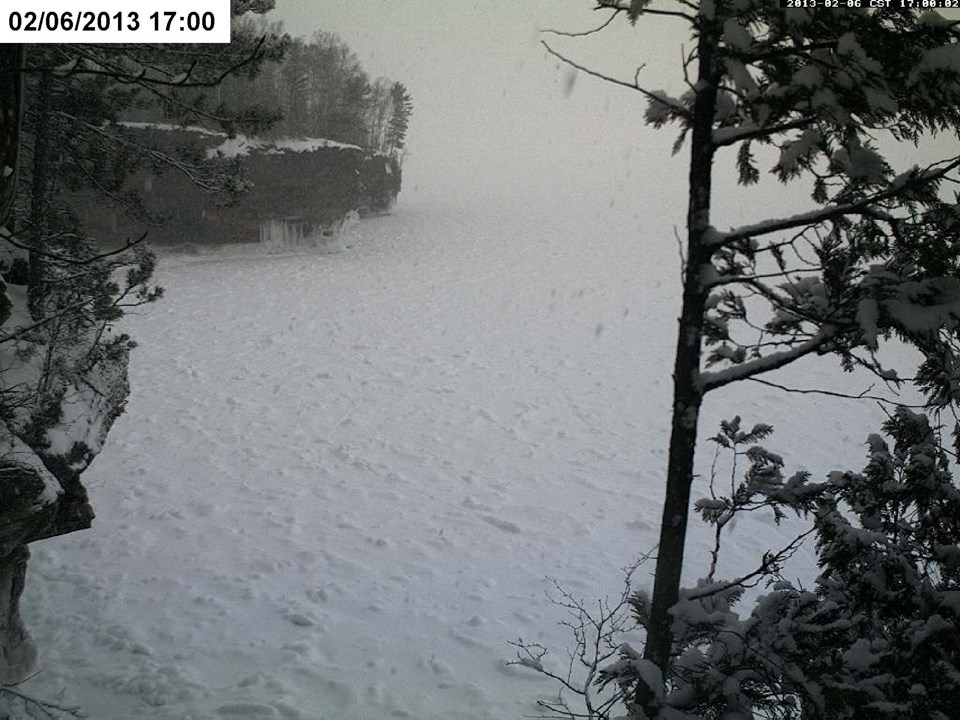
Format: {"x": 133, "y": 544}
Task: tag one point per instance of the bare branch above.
{"x": 616, "y": 81}
{"x": 597, "y": 639}
{"x": 770, "y": 561}
{"x": 584, "y": 33}
{"x": 734, "y": 279}
{"x": 49, "y": 710}
{"x": 865, "y": 395}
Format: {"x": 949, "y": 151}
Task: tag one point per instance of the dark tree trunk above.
{"x": 11, "y": 113}
{"x": 39, "y": 195}
{"x": 18, "y": 654}
{"x": 687, "y": 394}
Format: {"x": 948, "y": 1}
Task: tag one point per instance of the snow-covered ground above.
{"x": 343, "y": 480}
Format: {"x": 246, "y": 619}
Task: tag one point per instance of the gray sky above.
{"x": 497, "y": 118}
{"x": 494, "y": 114}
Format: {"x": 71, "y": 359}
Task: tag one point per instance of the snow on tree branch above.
{"x": 901, "y": 187}
{"x": 712, "y": 379}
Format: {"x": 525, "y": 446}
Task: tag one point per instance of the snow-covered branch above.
{"x": 731, "y": 279}
{"x": 87, "y": 62}
{"x": 781, "y": 52}
{"x": 634, "y": 12}
{"x": 192, "y": 171}
{"x": 832, "y": 212}
{"x": 712, "y": 379}
{"x": 58, "y": 257}
{"x": 730, "y": 135}
{"x": 62, "y": 313}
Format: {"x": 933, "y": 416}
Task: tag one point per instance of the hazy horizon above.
{"x": 495, "y": 116}
{"x": 498, "y": 120}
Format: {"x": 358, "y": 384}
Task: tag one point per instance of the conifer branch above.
{"x": 615, "y": 5}
{"x": 8, "y": 237}
{"x": 731, "y": 137}
{"x": 97, "y": 67}
{"x": 834, "y": 212}
{"x": 713, "y": 379}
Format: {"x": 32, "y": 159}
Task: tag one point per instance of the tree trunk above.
{"x": 18, "y": 654}
{"x": 39, "y": 196}
{"x": 687, "y": 394}
{"x": 11, "y": 114}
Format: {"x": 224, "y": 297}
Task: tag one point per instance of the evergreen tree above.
{"x": 64, "y": 368}
{"x": 319, "y": 89}
{"x": 875, "y": 256}
{"x": 878, "y": 635}
{"x": 399, "y": 119}
{"x": 378, "y": 111}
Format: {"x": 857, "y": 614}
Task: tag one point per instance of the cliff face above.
{"x": 61, "y": 390}
{"x": 309, "y": 183}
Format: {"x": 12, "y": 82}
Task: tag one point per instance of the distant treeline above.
{"x": 312, "y": 88}
{"x": 319, "y": 89}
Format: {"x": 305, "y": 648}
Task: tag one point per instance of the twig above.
{"x": 616, "y": 81}
{"x": 19, "y": 332}
{"x": 614, "y": 4}
{"x": 71, "y": 261}
{"x": 584, "y": 33}
{"x": 769, "y": 561}
{"x": 140, "y": 78}
{"x": 865, "y": 395}
{"x": 50, "y": 709}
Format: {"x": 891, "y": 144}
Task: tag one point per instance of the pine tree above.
{"x": 875, "y": 256}
{"x": 11, "y": 118}
{"x": 878, "y": 634}
{"x": 320, "y": 90}
{"x": 400, "y": 118}
{"x": 62, "y": 293}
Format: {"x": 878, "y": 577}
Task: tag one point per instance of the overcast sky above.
{"x": 494, "y": 114}
{"x": 496, "y": 117}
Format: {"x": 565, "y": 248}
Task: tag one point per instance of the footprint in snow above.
{"x": 440, "y": 668}
{"x": 472, "y": 504}
{"x": 247, "y": 710}
{"x": 504, "y": 525}
{"x": 301, "y": 619}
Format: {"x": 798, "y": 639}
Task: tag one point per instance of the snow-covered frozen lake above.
{"x": 343, "y": 481}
